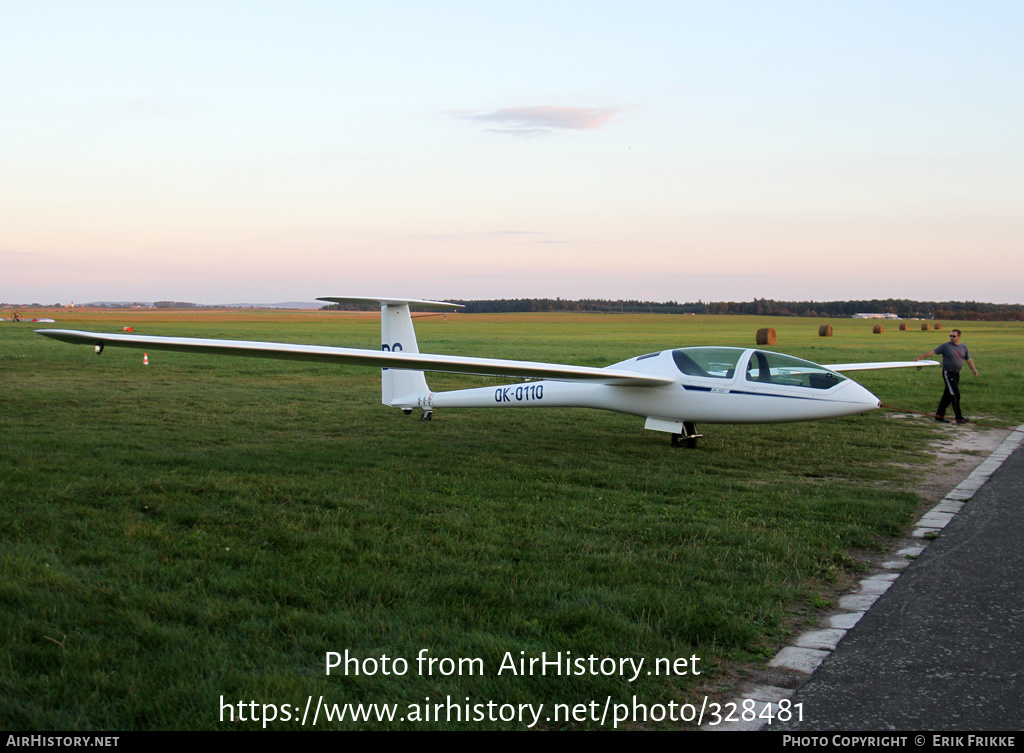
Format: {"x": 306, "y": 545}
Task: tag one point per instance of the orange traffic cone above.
{"x": 145, "y": 359}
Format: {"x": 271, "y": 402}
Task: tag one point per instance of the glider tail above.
{"x": 400, "y": 388}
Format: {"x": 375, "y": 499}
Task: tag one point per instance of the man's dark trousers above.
{"x": 951, "y": 394}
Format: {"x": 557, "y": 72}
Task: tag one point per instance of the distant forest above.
{"x": 962, "y": 310}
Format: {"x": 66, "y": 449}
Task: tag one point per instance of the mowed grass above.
{"x": 209, "y": 527}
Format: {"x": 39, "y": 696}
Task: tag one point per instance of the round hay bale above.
{"x": 825, "y": 330}
{"x": 903, "y": 326}
{"x": 766, "y": 336}
{"x": 924, "y": 327}
{"x": 879, "y": 329}
{"x": 938, "y": 326}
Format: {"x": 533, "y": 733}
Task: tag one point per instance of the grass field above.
{"x": 204, "y": 530}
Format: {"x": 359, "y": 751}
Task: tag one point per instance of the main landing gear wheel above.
{"x": 689, "y": 439}
{"x": 427, "y": 415}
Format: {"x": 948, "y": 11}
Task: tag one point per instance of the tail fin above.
{"x": 400, "y": 388}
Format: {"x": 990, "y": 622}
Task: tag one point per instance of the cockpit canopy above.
{"x": 761, "y": 366}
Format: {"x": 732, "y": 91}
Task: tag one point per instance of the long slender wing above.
{"x": 878, "y": 365}
{"x": 380, "y": 358}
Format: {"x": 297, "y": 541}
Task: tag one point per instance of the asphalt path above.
{"x": 943, "y": 648}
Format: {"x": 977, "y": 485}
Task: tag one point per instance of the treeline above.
{"x": 903, "y": 308}
{"x": 175, "y": 305}
{"x": 587, "y": 304}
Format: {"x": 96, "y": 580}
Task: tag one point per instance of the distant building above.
{"x": 875, "y": 316}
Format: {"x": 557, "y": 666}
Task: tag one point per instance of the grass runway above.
{"x": 206, "y": 529}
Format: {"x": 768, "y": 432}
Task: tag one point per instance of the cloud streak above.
{"x": 537, "y": 121}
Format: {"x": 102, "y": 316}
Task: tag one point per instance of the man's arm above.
{"x": 974, "y": 369}
{"x": 925, "y": 355}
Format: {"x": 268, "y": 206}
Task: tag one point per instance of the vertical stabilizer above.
{"x": 400, "y": 388}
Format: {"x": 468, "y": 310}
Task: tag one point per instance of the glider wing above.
{"x": 842, "y": 367}
{"x": 380, "y": 358}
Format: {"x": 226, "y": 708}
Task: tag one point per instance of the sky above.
{"x": 225, "y": 152}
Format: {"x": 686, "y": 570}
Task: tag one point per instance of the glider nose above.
{"x": 860, "y": 397}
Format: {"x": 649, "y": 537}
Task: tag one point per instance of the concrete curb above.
{"x": 811, "y": 648}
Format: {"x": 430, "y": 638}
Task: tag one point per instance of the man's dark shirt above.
{"x": 953, "y": 356}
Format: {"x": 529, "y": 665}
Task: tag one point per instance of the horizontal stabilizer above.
{"x": 379, "y": 358}
{"x": 843, "y": 367}
{"x": 412, "y": 302}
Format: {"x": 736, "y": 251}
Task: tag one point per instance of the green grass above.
{"x": 208, "y": 527}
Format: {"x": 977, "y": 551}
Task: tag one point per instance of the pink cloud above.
{"x": 545, "y": 119}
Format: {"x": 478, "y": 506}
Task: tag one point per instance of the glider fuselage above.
{"x": 741, "y": 386}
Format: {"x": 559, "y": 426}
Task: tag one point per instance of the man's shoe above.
{"x": 961, "y": 420}
{"x": 941, "y": 419}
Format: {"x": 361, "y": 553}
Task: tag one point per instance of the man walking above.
{"x": 953, "y": 353}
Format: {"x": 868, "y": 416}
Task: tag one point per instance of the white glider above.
{"x": 672, "y": 389}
